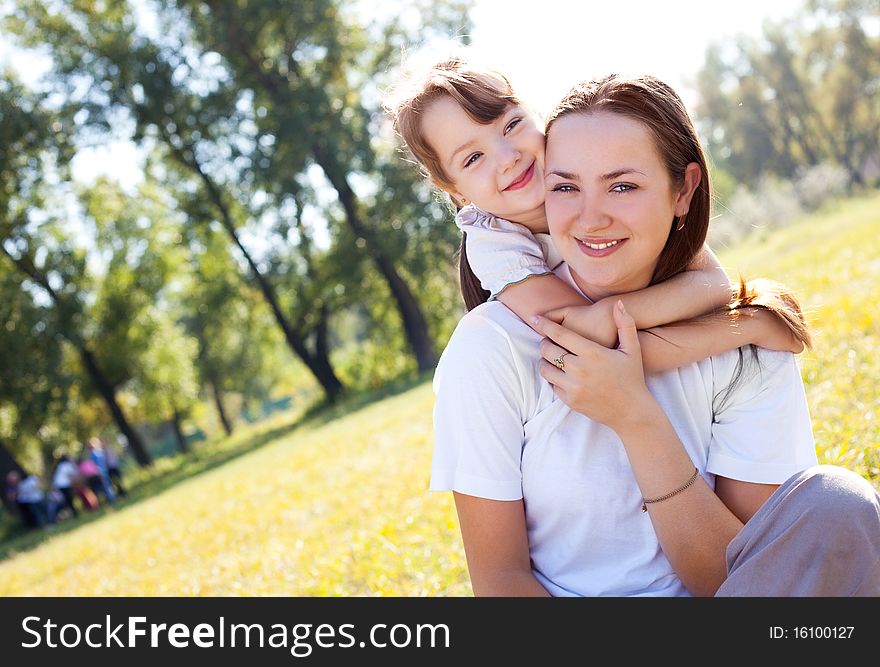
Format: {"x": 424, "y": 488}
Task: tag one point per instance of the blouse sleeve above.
{"x": 500, "y": 252}
{"x": 478, "y": 413}
{"x": 762, "y": 431}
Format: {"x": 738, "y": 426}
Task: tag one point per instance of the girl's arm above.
{"x": 510, "y": 263}
{"x": 496, "y": 547}
{"x": 676, "y": 345}
{"x": 697, "y": 291}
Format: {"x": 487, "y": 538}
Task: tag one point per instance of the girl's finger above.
{"x": 564, "y": 337}
{"x": 557, "y": 315}
{"x": 563, "y": 395}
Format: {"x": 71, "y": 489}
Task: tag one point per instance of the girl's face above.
{"x": 610, "y": 202}
{"x": 499, "y": 166}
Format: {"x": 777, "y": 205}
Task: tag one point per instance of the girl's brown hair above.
{"x": 484, "y": 95}
{"x": 658, "y": 107}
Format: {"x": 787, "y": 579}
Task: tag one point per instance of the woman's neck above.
{"x": 598, "y": 292}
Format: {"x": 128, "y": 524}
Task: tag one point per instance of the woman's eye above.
{"x": 623, "y": 187}
{"x": 512, "y": 124}
{"x": 471, "y": 159}
{"x": 562, "y": 187}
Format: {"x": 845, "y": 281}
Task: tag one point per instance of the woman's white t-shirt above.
{"x": 501, "y": 433}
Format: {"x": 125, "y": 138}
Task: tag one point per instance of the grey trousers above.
{"x": 818, "y": 535}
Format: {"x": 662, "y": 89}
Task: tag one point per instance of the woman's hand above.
{"x": 592, "y": 321}
{"x": 607, "y": 386}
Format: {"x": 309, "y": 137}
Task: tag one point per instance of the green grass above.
{"x": 335, "y": 502}
{"x": 832, "y": 262}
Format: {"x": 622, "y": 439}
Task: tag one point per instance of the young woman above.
{"x": 694, "y": 481}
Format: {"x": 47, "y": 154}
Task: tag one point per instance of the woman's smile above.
{"x": 595, "y": 248}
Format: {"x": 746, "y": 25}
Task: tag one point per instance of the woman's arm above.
{"x": 695, "y": 526}
{"x": 497, "y": 547}
{"x": 701, "y": 289}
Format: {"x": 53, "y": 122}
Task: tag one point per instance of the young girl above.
{"x": 477, "y": 141}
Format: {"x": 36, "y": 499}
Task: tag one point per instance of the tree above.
{"x": 142, "y": 348}
{"x": 236, "y": 344}
{"x": 248, "y": 104}
{"x": 35, "y": 151}
{"x": 178, "y": 104}
{"x": 800, "y": 95}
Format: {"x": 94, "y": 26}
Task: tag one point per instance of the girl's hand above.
{"x": 607, "y": 386}
{"x": 769, "y": 332}
{"x": 592, "y": 321}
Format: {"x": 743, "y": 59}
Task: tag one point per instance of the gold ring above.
{"x": 560, "y": 361}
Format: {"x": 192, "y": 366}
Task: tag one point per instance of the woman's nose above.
{"x": 592, "y": 216}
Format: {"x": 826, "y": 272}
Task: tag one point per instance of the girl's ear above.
{"x": 457, "y": 197}
{"x": 693, "y": 174}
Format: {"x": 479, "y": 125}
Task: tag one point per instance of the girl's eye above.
{"x": 623, "y": 187}
{"x": 471, "y": 159}
{"x": 563, "y": 187}
{"x": 512, "y": 124}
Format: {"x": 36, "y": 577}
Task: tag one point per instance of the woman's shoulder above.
{"x": 492, "y": 321}
{"x": 490, "y": 337}
{"x": 750, "y": 367}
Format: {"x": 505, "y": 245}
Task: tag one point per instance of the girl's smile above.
{"x": 523, "y": 179}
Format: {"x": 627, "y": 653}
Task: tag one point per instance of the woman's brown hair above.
{"x": 659, "y": 108}
{"x": 484, "y": 95}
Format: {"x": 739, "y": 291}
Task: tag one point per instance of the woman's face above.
{"x": 610, "y": 202}
{"x": 499, "y": 166}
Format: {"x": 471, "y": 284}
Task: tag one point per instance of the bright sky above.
{"x": 545, "y": 46}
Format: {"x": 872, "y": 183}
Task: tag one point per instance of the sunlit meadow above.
{"x": 342, "y": 508}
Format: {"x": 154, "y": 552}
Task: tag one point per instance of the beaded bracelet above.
{"x": 645, "y": 501}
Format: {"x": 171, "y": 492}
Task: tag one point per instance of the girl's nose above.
{"x": 509, "y": 157}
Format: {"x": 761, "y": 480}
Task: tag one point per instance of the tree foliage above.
{"x": 802, "y": 94}
{"x": 274, "y": 210}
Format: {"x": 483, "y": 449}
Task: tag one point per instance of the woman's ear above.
{"x": 693, "y": 174}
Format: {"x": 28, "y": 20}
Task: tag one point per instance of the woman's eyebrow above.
{"x": 564, "y": 174}
{"x": 617, "y": 173}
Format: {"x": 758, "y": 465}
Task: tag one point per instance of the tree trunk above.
{"x": 414, "y": 324}
{"x": 323, "y": 373}
{"x": 322, "y": 352}
{"x": 178, "y": 433}
{"x": 141, "y": 455}
{"x": 221, "y": 410}
{"x": 26, "y": 265}
{"x": 7, "y": 465}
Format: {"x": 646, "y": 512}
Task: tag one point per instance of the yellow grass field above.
{"x": 342, "y": 508}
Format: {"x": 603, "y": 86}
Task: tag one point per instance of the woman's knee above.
{"x": 832, "y": 493}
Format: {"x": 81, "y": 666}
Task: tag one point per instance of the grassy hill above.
{"x": 832, "y": 261}
{"x": 337, "y": 505}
